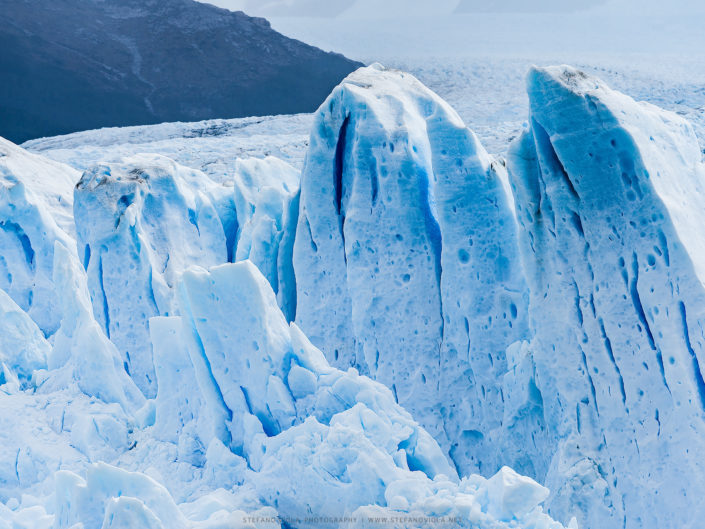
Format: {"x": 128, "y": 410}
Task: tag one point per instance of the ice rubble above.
{"x": 301, "y": 436}
{"x": 405, "y": 257}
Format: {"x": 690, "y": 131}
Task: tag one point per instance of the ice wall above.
{"x": 145, "y": 381}
{"x": 609, "y": 194}
{"x": 316, "y": 440}
{"x": 405, "y": 257}
{"x": 36, "y": 196}
{"x": 248, "y": 425}
{"x": 266, "y": 198}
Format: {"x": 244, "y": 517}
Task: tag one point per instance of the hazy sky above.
{"x": 370, "y": 8}
{"x": 369, "y": 30}
{"x": 387, "y": 8}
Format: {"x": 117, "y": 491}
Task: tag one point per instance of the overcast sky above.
{"x": 386, "y": 8}
{"x": 367, "y": 29}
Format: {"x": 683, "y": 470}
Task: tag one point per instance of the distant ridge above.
{"x": 72, "y": 65}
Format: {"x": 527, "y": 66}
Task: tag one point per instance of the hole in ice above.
{"x": 463, "y": 256}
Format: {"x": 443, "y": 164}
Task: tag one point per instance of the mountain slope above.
{"x": 79, "y": 64}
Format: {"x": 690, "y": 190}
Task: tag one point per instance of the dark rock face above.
{"x": 71, "y": 65}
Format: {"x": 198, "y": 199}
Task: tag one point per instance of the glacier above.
{"x": 407, "y": 331}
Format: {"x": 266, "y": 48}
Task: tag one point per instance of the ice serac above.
{"x": 248, "y": 421}
{"x": 274, "y": 378}
{"x": 23, "y": 348}
{"x": 319, "y": 443}
{"x": 35, "y": 211}
{"x": 609, "y": 194}
{"x": 82, "y": 355}
{"x": 406, "y": 259}
{"x": 140, "y": 223}
{"x": 266, "y": 200}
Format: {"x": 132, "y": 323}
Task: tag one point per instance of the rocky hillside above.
{"x": 72, "y": 65}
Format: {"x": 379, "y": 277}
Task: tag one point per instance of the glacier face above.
{"x": 147, "y": 381}
{"x": 34, "y": 214}
{"x": 207, "y": 343}
{"x": 603, "y": 383}
{"x": 269, "y": 419}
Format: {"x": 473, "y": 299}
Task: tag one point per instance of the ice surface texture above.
{"x": 219, "y": 346}
{"x": 406, "y": 259}
{"x": 609, "y": 196}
